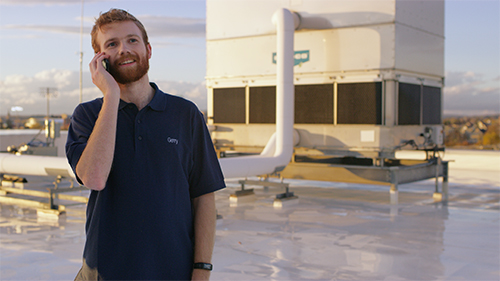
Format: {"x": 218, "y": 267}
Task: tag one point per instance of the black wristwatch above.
{"x": 202, "y": 265}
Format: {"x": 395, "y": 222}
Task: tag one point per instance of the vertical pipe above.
{"x": 285, "y": 28}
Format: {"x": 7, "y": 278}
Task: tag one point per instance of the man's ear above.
{"x": 149, "y": 50}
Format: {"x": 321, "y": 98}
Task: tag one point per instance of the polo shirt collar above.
{"x": 158, "y": 103}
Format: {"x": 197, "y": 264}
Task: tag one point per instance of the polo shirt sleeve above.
{"x": 206, "y": 175}
{"x": 80, "y": 128}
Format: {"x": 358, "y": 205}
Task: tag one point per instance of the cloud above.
{"x": 469, "y": 93}
{"x": 156, "y": 26}
{"x": 28, "y": 92}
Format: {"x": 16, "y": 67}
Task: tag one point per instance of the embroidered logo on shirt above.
{"x": 172, "y": 140}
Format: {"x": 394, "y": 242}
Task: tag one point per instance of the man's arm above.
{"x": 204, "y": 232}
{"x": 95, "y": 163}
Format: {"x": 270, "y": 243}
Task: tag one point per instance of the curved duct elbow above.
{"x": 283, "y": 140}
{"x": 305, "y": 21}
{"x": 270, "y": 147}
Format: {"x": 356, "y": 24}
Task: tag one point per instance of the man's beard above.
{"x": 130, "y": 74}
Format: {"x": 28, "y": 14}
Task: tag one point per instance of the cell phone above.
{"x": 105, "y": 64}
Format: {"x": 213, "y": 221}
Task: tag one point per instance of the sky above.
{"x": 40, "y": 46}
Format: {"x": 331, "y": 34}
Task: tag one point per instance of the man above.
{"x": 148, "y": 158}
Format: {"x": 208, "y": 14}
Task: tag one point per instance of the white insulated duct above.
{"x": 265, "y": 163}
{"x": 35, "y": 165}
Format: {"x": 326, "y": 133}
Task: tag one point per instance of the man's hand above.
{"x": 102, "y": 78}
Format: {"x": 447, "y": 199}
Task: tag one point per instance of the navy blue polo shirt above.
{"x": 140, "y": 227}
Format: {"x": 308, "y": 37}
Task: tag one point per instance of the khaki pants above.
{"x": 87, "y": 273}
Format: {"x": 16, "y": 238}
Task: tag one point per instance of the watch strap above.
{"x": 203, "y": 265}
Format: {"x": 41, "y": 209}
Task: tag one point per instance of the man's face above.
{"x": 129, "y": 56}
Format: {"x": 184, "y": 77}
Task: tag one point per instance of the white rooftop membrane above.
{"x": 334, "y": 231}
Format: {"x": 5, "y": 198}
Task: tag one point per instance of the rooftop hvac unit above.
{"x": 367, "y": 81}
